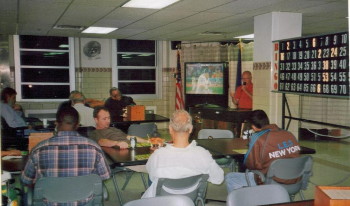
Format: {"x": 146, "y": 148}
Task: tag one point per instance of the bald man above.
{"x": 243, "y": 98}
{"x": 182, "y": 158}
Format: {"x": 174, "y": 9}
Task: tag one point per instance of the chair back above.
{"x": 143, "y": 129}
{"x": 85, "y": 131}
{"x": 13, "y": 137}
{"x": 36, "y": 138}
{"x": 68, "y": 189}
{"x": 215, "y": 134}
{"x": 194, "y": 187}
{"x": 172, "y": 200}
{"x": 258, "y": 195}
{"x": 289, "y": 169}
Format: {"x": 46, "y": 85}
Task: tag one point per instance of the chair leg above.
{"x": 127, "y": 179}
{"x": 120, "y": 198}
{"x": 301, "y": 195}
{"x": 145, "y": 183}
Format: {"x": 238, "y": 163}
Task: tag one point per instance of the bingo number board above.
{"x": 315, "y": 65}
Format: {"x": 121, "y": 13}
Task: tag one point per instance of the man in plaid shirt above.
{"x": 65, "y": 154}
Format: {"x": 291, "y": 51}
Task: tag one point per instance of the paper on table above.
{"x": 11, "y": 157}
{"x": 240, "y": 151}
{"x": 338, "y": 194}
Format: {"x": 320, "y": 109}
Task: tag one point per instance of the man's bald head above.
{"x": 181, "y": 121}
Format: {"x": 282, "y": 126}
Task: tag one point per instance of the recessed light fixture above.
{"x": 149, "y": 4}
{"x": 248, "y": 36}
{"x": 99, "y": 30}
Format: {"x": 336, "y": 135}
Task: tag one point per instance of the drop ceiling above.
{"x": 186, "y": 20}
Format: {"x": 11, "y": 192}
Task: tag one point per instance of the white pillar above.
{"x": 268, "y": 28}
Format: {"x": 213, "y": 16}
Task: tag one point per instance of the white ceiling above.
{"x": 182, "y": 21}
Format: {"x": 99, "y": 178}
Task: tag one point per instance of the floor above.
{"x": 331, "y": 167}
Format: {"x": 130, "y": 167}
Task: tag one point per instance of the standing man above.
{"x": 116, "y": 103}
{"x": 11, "y": 117}
{"x": 267, "y": 141}
{"x": 86, "y": 118}
{"x": 108, "y": 136}
{"x": 65, "y": 155}
{"x": 181, "y": 159}
{"x": 243, "y": 98}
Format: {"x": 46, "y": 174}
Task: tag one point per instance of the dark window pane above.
{"x": 136, "y": 60}
{"x": 138, "y": 88}
{"x": 45, "y": 75}
{"x": 43, "y": 42}
{"x": 136, "y": 46}
{"x": 137, "y": 74}
{"x": 47, "y": 58}
{"x": 45, "y": 91}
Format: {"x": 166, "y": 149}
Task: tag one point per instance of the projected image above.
{"x": 204, "y": 78}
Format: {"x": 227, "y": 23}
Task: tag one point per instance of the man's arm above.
{"x": 113, "y": 143}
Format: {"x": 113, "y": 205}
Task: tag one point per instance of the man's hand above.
{"x": 122, "y": 145}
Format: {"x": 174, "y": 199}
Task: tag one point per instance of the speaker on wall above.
{"x": 175, "y": 45}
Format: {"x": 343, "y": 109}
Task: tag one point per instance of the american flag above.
{"x": 179, "y": 101}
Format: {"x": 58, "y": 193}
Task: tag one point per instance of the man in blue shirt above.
{"x": 9, "y": 115}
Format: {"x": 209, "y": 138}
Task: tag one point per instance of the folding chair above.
{"x": 194, "y": 187}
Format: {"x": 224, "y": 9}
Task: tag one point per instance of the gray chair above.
{"x": 67, "y": 189}
{"x": 219, "y": 134}
{"x": 194, "y": 187}
{"x": 258, "y": 195}
{"x": 172, "y": 200}
{"x": 289, "y": 169}
{"x": 143, "y": 130}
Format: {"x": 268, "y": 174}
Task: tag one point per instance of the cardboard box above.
{"x": 332, "y": 196}
{"x": 135, "y": 112}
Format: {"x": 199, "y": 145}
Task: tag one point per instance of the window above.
{"x": 136, "y": 68}
{"x": 44, "y": 67}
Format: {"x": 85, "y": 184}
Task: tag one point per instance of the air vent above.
{"x": 212, "y": 33}
{"x": 71, "y": 27}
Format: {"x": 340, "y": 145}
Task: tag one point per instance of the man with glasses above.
{"x": 243, "y": 97}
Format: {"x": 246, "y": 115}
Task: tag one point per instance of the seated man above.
{"x": 181, "y": 159}
{"x": 108, "y": 136}
{"x": 66, "y": 154}
{"x": 86, "y": 118}
{"x": 9, "y": 115}
{"x": 116, "y": 103}
{"x": 267, "y": 144}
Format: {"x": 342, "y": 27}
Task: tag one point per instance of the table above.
{"x": 121, "y": 158}
{"x": 15, "y": 165}
{"x": 216, "y": 115}
{"x": 123, "y": 124}
{"x": 296, "y": 203}
{"x": 235, "y": 148}
{"x": 148, "y": 118}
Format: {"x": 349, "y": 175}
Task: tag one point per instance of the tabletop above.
{"x": 14, "y": 165}
{"x": 235, "y": 148}
{"x": 148, "y": 118}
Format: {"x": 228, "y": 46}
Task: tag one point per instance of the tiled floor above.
{"x": 331, "y": 167}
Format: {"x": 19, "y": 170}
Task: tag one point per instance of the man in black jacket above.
{"x": 116, "y": 103}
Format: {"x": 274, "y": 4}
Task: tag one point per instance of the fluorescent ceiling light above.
{"x": 149, "y": 4}
{"x": 248, "y": 36}
{"x": 99, "y": 30}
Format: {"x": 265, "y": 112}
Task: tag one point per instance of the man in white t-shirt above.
{"x": 181, "y": 159}
{"x": 86, "y": 118}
